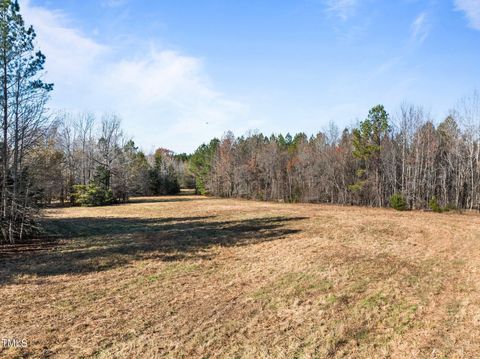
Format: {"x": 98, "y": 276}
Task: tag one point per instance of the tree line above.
{"x": 405, "y": 160}
{"x": 78, "y": 159}
{"x": 74, "y": 159}
{"x": 86, "y": 161}
{"x": 67, "y": 158}
{"x": 408, "y": 156}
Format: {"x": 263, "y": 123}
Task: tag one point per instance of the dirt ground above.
{"x": 196, "y": 277}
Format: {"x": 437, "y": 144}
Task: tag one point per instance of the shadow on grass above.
{"x": 97, "y": 244}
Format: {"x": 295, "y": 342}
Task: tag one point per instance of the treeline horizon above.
{"x": 78, "y": 159}
{"x": 90, "y": 161}
{"x": 407, "y": 155}
{"x": 81, "y": 160}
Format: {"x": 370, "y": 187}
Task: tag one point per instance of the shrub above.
{"x": 92, "y": 195}
{"x": 434, "y": 206}
{"x": 398, "y": 202}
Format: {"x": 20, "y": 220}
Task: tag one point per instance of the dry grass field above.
{"x": 195, "y": 277}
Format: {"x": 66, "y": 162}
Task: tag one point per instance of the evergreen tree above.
{"x": 163, "y": 178}
{"x": 22, "y": 98}
{"x": 367, "y": 143}
{"x": 201, "y": 163}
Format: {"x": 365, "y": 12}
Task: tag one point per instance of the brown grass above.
{"x": 196, "y": 277}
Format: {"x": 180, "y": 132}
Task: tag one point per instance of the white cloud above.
{"x": 114, "y": 3}
{"x": 471, "y": 8}
{"x": 170, "y": 93}
{"x": 60, "y": 41}
{"x": 165, "y": 98}
{"x": 420, "y": 28}
{"x": 344, "y": 9}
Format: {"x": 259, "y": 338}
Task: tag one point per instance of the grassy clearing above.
{"x": 197, "y": 277}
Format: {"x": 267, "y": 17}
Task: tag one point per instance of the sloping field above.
{"x": 199, "y": 277}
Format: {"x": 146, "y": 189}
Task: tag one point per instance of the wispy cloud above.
{"x": 114, "y": 3}
{"x": 344, "y": 9}
{"x": 471, "y": 8}
{"x": 166, "y": 98}
{"x": 420, "y": 28}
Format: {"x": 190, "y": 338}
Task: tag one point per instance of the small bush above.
{"x": 398, "y": 202}
{"x": 434, "y": 206}
{"x": 92, "y": 195}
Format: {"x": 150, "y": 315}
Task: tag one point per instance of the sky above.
{"x": 180, "y": 72}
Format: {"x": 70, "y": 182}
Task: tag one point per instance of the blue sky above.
{"x": 180, "y": 72}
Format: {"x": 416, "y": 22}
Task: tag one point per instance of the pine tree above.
{"x": 367, "y": 143}
{"x": 201, "y": 163}
{"x": 22, "y": 98}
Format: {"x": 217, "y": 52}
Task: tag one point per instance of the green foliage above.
{"x": 201, "y": 164}
{"x": 183, "y": 157}
{"x": 97, "y": 192}
{"x": 360, "y": 172}
{"x": 398, "y": 202}
{"x": 19, "y": 57}
{"x": 434, "y": 206}
{"x": 136, "y": 170}
{"x": 162, "y": 178}
{"x": 367, "y": 139}
{"x": 101, "y": 177}
{"x": 92, "y": 195}
{"x": 447, "y": 131}
{"x": 162, "y": 185}
{"x": 288, "y": 142}
{"x": 357, "y": 186}
{"x": 367, "y": 143}
{"x": 23, "y": 103}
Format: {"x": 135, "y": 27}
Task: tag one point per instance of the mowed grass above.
{"x": 196, "y": 277}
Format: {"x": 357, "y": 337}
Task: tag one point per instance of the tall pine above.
{"x": 367, "y": 143}
{"x": 22, "y": 99}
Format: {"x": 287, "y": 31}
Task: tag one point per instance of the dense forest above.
{"x": 422, "y": 164}
{"x": 407, "y": 160}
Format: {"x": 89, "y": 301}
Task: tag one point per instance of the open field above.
{"x": 190, "y": 276}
